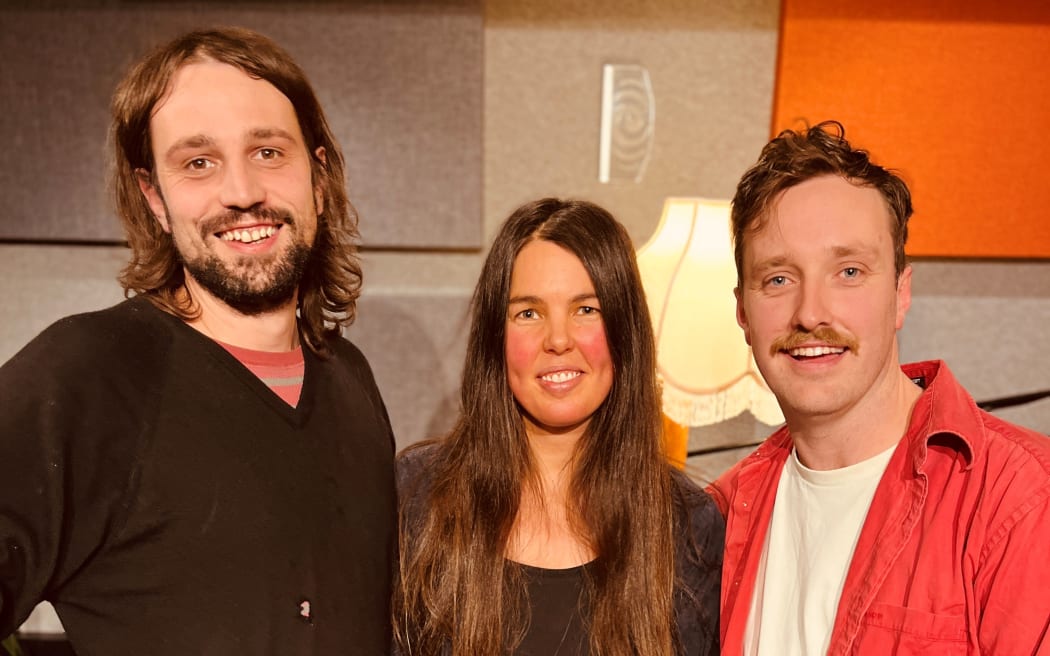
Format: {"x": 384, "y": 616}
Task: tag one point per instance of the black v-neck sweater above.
{"x": 166, "y": 501}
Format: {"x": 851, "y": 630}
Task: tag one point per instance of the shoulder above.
{"x": 1014, "y": 465}
{"x": 111, "y": 325}
{"x": 764, "y": 462}
{"x": 345, "y": 365}
{"x": 415, "y": 467}
{"x": 348, "y": 353}
{"x": 696, "y": 502}
{"x": 700, "y": 525}
{"x": 105, "y": 344}
{"x": 1019, "y": 446}
{"x": 345, "y": 355}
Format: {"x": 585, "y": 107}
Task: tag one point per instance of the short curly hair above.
{"x": 794, "y": 157}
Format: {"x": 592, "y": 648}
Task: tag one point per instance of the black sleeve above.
{"x": 68, "y": 438}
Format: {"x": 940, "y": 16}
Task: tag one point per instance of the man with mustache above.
{"x": 207, "y": 468}
{"x": 890, "y": 515}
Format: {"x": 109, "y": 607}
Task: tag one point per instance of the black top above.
{"x": 699, "y": 538}
{"x": 558, "y": 605}
{"x": 166, "y": 501}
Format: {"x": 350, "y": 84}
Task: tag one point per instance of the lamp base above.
{"x": 675, "y": 442}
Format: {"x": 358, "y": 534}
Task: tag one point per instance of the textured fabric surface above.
{"x": 167, "y": 502}
{"x": 943, "y": 563}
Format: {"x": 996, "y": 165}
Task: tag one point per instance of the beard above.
{"x": 251, "y": 284}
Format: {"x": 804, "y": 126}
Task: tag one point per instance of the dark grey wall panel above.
{"x": 415, "y": 345}
{"x": 400, "y": 82}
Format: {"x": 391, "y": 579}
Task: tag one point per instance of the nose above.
{"x": 558, "y": 338}
{"x": 812, "y": 309}
{"x": 241, "y": 188}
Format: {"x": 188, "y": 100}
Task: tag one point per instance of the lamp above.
{"x": 706, "y": 369}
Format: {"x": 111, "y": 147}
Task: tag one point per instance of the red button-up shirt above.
{"x": 953, "y": 555}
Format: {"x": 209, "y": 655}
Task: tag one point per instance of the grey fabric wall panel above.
{"x": 988, "y": 320}
{"x": 415, "y": 344}
{"x": 400, "y": 82}
{"x": 712, "y": 66}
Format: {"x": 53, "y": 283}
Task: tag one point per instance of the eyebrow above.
{"x": 270, "y": 133}
{"x": 849, "y": 251}
{"x": 837, "y": 251}
{"x": 203, "y": 140}
{"x": 195, "y": 141}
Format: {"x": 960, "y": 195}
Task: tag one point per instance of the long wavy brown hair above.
{"x": 331, "y": 283}
{"x": 457, "y": 593}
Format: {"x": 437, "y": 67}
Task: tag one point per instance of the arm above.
{"x": 71, "y": 417}
{"x": 31, "y": 488}
{"x": 1013, "y": 579}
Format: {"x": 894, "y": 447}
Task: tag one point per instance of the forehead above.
{"x": 822, "y": 215}
{"x": 543, "y": 266}
{"x": 218, "y": 100}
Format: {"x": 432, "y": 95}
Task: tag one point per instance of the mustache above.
{"x": 231, "y": 218}
{"x": 823, "y": 334}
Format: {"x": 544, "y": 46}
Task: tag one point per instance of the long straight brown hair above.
{"x": 457, "y": 593}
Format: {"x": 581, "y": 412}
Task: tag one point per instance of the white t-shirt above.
{"x": 817, "y": 517}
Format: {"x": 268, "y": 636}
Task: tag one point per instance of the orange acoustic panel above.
{"x": 954, "y": 95}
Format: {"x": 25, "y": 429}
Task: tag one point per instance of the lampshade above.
{"x": 706, "y": 368}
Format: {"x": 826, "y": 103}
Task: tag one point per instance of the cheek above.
{"x": 594, "y": 347}
{"x": 520, "y": 351}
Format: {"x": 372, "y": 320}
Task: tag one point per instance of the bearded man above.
{"x": 207, "y": 467}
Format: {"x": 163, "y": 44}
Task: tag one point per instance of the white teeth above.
{"x": 248, "y": 236}
{"x": 560, "y": 376}
{"x": 814, "y": 351}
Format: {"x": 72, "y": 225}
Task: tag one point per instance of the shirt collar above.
{"x": 945, "y": 414}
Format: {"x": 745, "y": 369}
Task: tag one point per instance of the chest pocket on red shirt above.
{"x": 889, "y": 629}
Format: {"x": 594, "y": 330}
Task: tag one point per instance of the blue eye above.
{"x": 778, "y": 281}
{"x": 851, "y": 272}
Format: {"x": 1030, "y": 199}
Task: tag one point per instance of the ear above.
{"x": 153, "y": 198}
{"x": 741, "y": 315}
{"x": 903, "y": 295}
{"x": 318, "y": 187}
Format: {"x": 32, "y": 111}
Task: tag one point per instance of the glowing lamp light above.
{"x": 706, "y": 369}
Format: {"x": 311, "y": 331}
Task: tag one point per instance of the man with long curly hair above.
{"x": 207, "y": 467}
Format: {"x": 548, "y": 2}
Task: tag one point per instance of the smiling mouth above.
{"x": 248, "y": 235}
{"x": 804, "y": 352}
{"x": 560, "y": 376}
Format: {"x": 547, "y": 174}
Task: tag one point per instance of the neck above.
{"x": 875, "y": 424}
{"x": 274, "y": 331}
{"x": 544, "y": 533}
{"x": 553, "y": 455}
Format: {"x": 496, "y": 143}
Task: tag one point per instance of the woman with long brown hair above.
{"x": 548, "y": 521}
